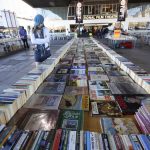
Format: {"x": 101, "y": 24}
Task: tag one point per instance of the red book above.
{"x": 57, "y": 139}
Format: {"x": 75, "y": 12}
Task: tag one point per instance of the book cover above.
{"x": 126, "y": 88}
{"x": 76, "y": 90}
{"x": 99, "y": 77}
{"x": 77, "y": 77}
{"x": 72, "y": 140}
{"x": 101, "y": 95}
{"x": 78, "y": 83}
{"x": 118, "y": 126}
{"x": 78, "y": 66}
{"x": 107, "y": 108}
{"x": 120, "y": 79}
{"x": 43, "y": 102}
{"x": 98, "y": 85}
{"x": 97, "y": 69}
{"x": 78, "y": 71}
{"x": 70, "y": 119}
{"x": 128, "y": 104}
{"x": 56, "y": 78}
{"x": 51, "y": 88}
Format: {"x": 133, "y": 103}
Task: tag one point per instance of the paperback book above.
{"x": 56, "y": 78}
{"x": 76, "y": 90}
{"x": 98, "y": 85}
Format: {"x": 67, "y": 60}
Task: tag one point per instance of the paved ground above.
{"x": 13, "y": 67}
{"x": 140, "y": 55}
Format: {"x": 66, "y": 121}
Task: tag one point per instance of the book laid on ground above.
{"x": 74, "y": 102}
{"x": 78, "y": 66}
{"x": 98, "y": 85}
{"x": 76, "y": 90}
{"x": 120, "y": 79}
{"x": 60, "y": 71}
{"x": 101, "y": 77}
{"x": 43, "y": 102}
{"x": 32, "y": 119}
{"x": 78, "y": 71}
{"x": 118, "y": 126}
{"x": 101, "y": 95}
{"x": 57, "y": 78}
{"x": 98, "y": 69}
{"x": 106, "y": 108}
{"x": 126, "y": 88}
{"x": 70, "y": 119}
{"x": 51, "y": 88}
{"x": 129, "y": 104}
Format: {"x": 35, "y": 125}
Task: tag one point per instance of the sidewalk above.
{"x": 13, "y": 67}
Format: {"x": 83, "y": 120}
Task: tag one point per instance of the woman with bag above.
{"x": 41, "y": 38}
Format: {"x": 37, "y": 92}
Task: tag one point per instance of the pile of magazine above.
{"x": 86, "y": 102}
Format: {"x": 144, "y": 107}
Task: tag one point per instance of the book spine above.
{"x": 105, "y": 141}
{"x": 72, "y": 140}
{"x": 128, "y": 142}
{"x": 78, "y": 141}
{"x": 35, "y": 142}
{"x": 122, "y": 142}
{"x": 2, "y": 127}
{"x": 92, "y": 141}
{"x": 101, "y": 144}
{"x": 66, "y": 140}
{"x": 62, "y": 139}
{"x": 43, "y": 140}
{"x": 112, "y": 142}
{"x": 117, "y": 141}
{"x": 96, "y": 137}
{"x": 49, "y": 140}
{"x": 81, "y": 140}
{"x": 57, "y": 139}
{"x": 88, "y": 142}
{"x": 85, "y": 140}
{"x": 20, "y": 141}
{"x": 144, "y": 141}
{"x": 135, "y": 142}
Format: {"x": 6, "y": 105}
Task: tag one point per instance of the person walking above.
{"x": 23, "y": 36}
{"x": 40, "y": 37}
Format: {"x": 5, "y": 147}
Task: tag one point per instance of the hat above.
{"x": 38, "y": 19}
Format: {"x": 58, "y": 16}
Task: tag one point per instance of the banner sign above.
{"x": 122, "y": 12}
{"x": 79, "y": 15}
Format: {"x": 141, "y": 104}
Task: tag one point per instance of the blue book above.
{"x": 88, "y": 143}
{"x": 85, "y": 145}
{"x": 144, "y": 141}
{"x": 135, "y": 142}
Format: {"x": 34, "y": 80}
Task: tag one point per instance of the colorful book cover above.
{"x": 98, "y": 85}
{"x": 101, "y": 77}
{"x": 118, "y": 126}
{"x": 51, "y": 88}
{"x": 106, "y": 108}
{"x": 76, "y": 90}
{"x": 78, "y": 83}
{"x": 128, "y": 104}
{"x": 43, "y": 102}
{"x": 70, "y": 119}
{"x": 78, "y": 66}
{"x": 78, "y": 71}
{"x": 101, "y": 95}
{"x": 56, "y": 78}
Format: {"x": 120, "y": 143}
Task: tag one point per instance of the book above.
{"x": 76, "y": 90}
{"x": 120, "y": 79}
{"x": 107, "y": 108}
{"x": 43, "y": 102}
{"x": 98, "y": 85}
{"x": 77, "y": 77}
{"x": 78, "y": 83}
{"x": 101, "y": 95}
{"x": 78, "y": 71}
{"x": 118, "y": 126}
{"x": 33, "y": 119}
{"x": 126, "y": 88}
{"x": 72, "y": 140}
{"x": 56, "y": 78}
{"x": 70, "y": 119}
{"x": 101, "y": 77}
{"x": 128, "y": 104}
{"x": 51, "y": 88}
{"x": 78, "y": 66}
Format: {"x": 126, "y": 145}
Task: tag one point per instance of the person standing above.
{"x": 40, "y": 37}
{"x": 23, "y": 36}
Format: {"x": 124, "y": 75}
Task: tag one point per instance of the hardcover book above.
{"x": 51, "y": 88}
{"x": 43, "y": 102}
{"x": 129, "y": 104}
{"x": 107, "y": 108}
{"x": 126, "y": 88}
{"x": 118, "y": 126}
{"x": 56, "y": 78}
{"x": 70, "y": 119}
{"x": 101, "y": 95}
{"x": 76, "y": 90}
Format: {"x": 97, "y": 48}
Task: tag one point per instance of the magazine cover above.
{"x": 114, "y": 126}
{"x": 43, "y": 102}
{"x": 106, "y": 108}
{"x": 78, "y": 71}
{"x": 101, "y": 77}
{"x": 70, "y": 119}
{"x": 98, "y": 85}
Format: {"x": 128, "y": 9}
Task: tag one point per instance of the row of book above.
{"x": 17, "y": 95}
{"x": 13, "y": 138}
{"x": 138, "y": 74}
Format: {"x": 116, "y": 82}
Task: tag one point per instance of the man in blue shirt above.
{"x": 23, "y": 36}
